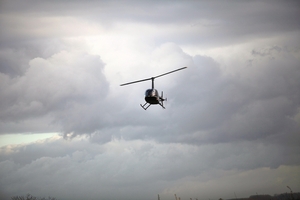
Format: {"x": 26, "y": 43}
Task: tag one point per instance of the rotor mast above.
{"x": 152, "y": 82}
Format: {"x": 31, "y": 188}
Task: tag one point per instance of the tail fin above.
{"x": 162, "y": 96}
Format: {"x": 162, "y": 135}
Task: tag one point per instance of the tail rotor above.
{"x": 162, "y": 99}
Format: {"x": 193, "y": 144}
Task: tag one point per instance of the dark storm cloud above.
{"x": 125, "y": 165}
{"x": 258, "y": 18}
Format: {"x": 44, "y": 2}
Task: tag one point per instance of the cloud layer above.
{"x": 124, "y": 166}
{"x": 232, "y": 116}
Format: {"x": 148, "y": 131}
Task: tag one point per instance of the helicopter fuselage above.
{"x": 152, "y": 96}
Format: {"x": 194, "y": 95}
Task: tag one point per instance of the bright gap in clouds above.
{"x": 11, "y": 139}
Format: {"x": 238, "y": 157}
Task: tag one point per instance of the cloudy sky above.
{"x": 232, "y": 122}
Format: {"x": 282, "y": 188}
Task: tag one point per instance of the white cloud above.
{"x": 54, "y": 86}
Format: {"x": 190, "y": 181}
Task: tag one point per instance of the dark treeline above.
{"x": 283, "y": 196}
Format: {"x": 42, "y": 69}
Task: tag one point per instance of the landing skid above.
{"x": 145, "y": 106}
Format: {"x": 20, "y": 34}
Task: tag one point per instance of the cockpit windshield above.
{"x": 151, "y": 93}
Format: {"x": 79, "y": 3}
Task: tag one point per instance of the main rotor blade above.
{"x": 170, "y": 72}
{"x": 152, "y": 78}
{"x": 147, "y": 79}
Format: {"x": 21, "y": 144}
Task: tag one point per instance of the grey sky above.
{"x": 232, "y": 121}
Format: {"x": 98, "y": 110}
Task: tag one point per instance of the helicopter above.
{"x": 151, "y": 95}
